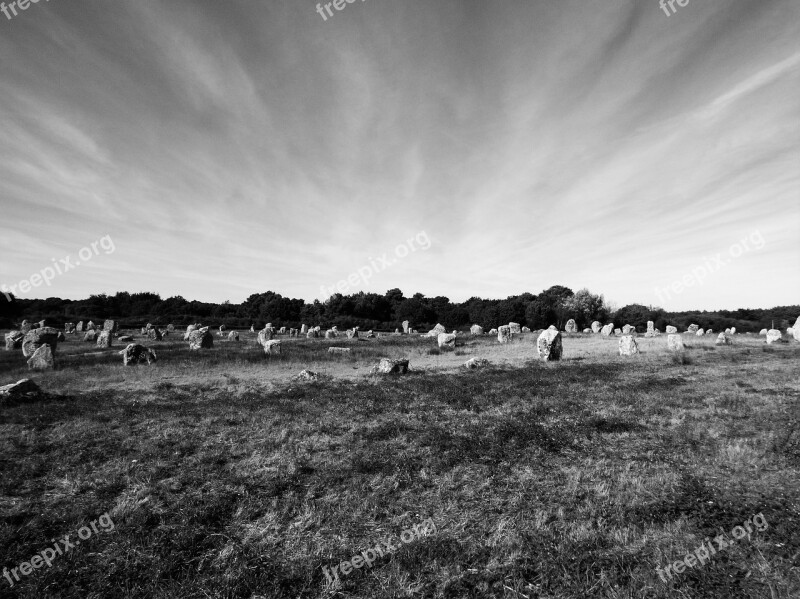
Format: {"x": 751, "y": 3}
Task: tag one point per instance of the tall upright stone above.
{"x": 504, "y": 334}
{"x": 405, "y": 326}
{"x": 201, "y": 339}
{"x": 571, "y": 326}
{"x": 42, "y": 359}
{"x": 796, "y": 329}
{"x": 514, "y": 327}
{"x": 111, "y": 326}
{"x": 104, "y": 338}
{"x": 628, "y": 346}
{"x": 607, "y": 330}
{"x": 476, "y": 330}
{"x": 675, "y": 342}
{"x": 596, "y": 327}
{"x": 549, "y": 346}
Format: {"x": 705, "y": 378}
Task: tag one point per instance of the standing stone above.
{"x": 233, "y": 336}
{"x": 272, "y": 348}
{"x": 42, "y": 324}
{"x": 222, "y": 328}
{"x": 264, "y": 335}
{"x": 773, "y": 335}
{"x": 700, "y": 332}
{"x": 201, "y": 339}
{"x": 90, "y": 336}
{"x": 436, "y": 331}
{"x": 36, "y": 338}
{"x": 549, "y": 345}
{"x": 571, "y": 326}
{"x": 514, "y": 327}
{"x": 446, "y": 340}
{"x": 627, "y": 346}
{"x": 104, "y": 339}
{"x": 693, "y": 328}
{"x": 111, "y": 326}
{"x": 763, "y": 332}
{"x": 587, "y": 330}
{"x": 727, "y": 332}
{"x": 723, "y": 339}
{"x": 671, "y": 330}
{"x": 476, "y": 330}
{"x": 42, "y": 359}
{"x": 25, "y": 327}
{"x": 493, "y": 331}
{"x": 90, "y": 326}
{"x": 352, "y": 333}
{"x": 796, "y": 329}
{"x": 526, "y": 330}
{"x": 135, "y": 353}
{"x": 504, "y": 334}
{"x": 79, "y": 326}
{"x": 596, "y": 327}
{"x": 303, "y": 329}
{"x": 282, "y": 331}
{"x": 14, "y": 340}
{"x": 618, "y": 332}
{"x": 69, "y": 327}
{"x": 675, "y": 342}
{"x": 607, "y": 330}
{"x": 628, "y": 329}
{"x": 405, "y": 326}
{"x": 709, "y": 331}
{"x": 733, "y": 330}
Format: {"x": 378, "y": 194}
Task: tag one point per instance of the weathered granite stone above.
{"x": 135, "y": 353}
{"x": 549, "y": 346}
{"x": 628, "y": 346}
{"x": 389, "y": 366}
{"x": 42, "y": 359}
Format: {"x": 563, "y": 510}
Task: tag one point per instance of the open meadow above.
{"x": 225, "y": 477}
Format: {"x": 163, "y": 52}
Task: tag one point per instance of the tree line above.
{"x": 553, "y": 306}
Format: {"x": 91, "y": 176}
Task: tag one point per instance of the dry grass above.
{"x": 576, "y": 479}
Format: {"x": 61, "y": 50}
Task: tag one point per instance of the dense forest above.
{"x": 553, "y": 306}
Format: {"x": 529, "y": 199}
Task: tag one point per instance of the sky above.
{"x": 462, "y": 148}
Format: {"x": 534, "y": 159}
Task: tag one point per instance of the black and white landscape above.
{"x": 399, "y": 298}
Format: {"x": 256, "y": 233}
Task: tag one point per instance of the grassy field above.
{"x": 226, "y": 478}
